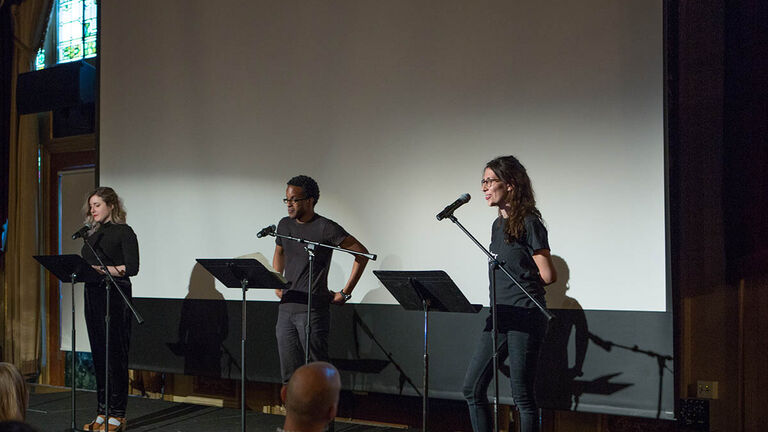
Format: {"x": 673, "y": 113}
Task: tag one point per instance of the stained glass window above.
{"x": 40, "y": 59}
{"x": 76, "y": 29}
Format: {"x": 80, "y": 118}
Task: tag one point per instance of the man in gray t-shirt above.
{"x": 291, "y": 258}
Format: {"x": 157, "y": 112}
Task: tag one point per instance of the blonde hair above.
{"x": 117, "y": 213}
{"x": 14, "y": 400}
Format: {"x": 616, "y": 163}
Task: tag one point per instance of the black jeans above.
{"x": 291, "y": 338}
{"x": 521, "y": 345}
{"x": 119, "y": 341}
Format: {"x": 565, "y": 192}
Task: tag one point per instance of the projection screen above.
{"x": 394, "y": 107}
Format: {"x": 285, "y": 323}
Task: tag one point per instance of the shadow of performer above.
{"x": 555, "y": 387}
{"x": 203, "y": 326}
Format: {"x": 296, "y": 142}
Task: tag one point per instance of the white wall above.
{"x": 208, "y": 108}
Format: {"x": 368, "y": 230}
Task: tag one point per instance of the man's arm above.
{"x": 358, "y": 266}
{"x": 278, "y": 263}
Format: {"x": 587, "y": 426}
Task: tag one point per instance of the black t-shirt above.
{"x": 117, "y": 245}
{"x": 517, "y": 257}
{"x": 321, "y": 230}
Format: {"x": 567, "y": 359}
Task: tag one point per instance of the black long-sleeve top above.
{"x": 117, "y": 245}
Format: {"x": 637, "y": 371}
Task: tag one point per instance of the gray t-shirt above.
{"x": 321, "y": 230}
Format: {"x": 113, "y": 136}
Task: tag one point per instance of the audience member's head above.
{"x": 311, "y": 397}
{"x": 16, "y": 426}
{"x": 13, "y": 393}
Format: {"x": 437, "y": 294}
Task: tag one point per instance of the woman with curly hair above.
{"x": 519, "y": 241}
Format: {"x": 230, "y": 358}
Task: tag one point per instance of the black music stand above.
{"x": 243, "y": 273}
{"x": 73, "y": 269}
{"x": 426, "y": 290}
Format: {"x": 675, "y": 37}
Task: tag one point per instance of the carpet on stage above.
{"x": 51, "y": 411}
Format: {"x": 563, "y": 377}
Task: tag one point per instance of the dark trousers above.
{"x": 291, "y": 338}
{"x": 521, "y": 346}
{"x": 119, "y": 340}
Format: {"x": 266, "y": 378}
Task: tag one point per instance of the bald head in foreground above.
{"x": 311, "y": 397}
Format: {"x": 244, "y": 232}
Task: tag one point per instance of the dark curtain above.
{"x": 745, "y": 174}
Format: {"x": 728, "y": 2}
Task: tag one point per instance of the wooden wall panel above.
{"x": 711, "y": 341}
{"x": 754, "y": 357}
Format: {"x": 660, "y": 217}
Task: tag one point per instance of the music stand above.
{"x": 243, "y": 273}
{"x": 73, "y": 269}
{"x": 426, "y": 290}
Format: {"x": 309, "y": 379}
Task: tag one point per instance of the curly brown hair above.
{"x": 521, "y": 199}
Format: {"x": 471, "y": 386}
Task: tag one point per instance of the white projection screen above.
{"x": 208, "y": 108}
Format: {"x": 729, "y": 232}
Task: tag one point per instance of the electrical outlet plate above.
{"x": 706, "y": 389}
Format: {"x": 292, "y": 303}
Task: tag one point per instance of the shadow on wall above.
{"x": 563, "y": 353}
{"x": 337, "y": 278}
{"x": 364, "y": 355}
{"x": 203, "y": 327}
{"x": 380, "y": 294}
{"x": 557, "y": 373}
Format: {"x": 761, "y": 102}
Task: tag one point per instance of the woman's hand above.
{"x": 113, "y": 270}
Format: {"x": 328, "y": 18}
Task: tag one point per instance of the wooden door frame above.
{"x": 59, "y": 154}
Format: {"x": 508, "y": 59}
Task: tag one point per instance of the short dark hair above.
{"x": 308, "y": 184}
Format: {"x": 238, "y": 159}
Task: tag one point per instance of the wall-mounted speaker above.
{"x": 62, "y": 86}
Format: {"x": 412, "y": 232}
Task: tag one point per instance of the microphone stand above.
{"x": 310, "y": 248}
{"x": 109, "y": 280}
{"x": 496, "y": 265}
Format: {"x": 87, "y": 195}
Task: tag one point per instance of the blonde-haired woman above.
{"x": 116, "y": 244}
{"x": 13, "y": 394}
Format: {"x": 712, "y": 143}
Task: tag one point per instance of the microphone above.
{"x": 448, "y": 211}
{"x": 82, "y": 232}
{"x": 266, "y": 231}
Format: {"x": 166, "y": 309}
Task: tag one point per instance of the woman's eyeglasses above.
{"x": 487, "y": 182}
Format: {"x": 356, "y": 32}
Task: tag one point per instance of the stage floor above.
{"x": 50, "y": 411}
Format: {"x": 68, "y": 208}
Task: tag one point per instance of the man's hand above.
{"x": 338, "y": 298}
{"x": 279, "y": 293}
